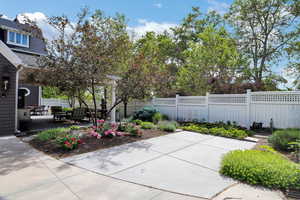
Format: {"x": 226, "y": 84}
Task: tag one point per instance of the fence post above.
{"x": 207, "y": 105}
{"x": 153, "y": 102}
{"x": 176, "y": 106}
{"x": 248, "y": 99}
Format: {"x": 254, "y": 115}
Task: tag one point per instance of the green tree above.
{"x": 264, "y": 28}
{"x": 192, "y": 25}
{"x": 212, "y": 64}
{"x": 159, "y": 63}
{"x": 294, "y": 65}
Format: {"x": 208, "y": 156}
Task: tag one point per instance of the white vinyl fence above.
{"x": 55, "y": 102}
{"x": 282, "y": 107}
{"x": 131, "y": 108}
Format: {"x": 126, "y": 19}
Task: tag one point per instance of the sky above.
{"x": 142, "y": 15}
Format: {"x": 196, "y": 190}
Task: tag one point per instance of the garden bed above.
{"x": 89, "y": 143}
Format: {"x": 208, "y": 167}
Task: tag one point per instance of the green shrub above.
{"x": 157, "y": 117}
{"x": 146, "y": 114}
{"x": 74, "y": 128}
{"x": 261, "y": 168}
{"x": 167, "y": 126}
{"x": 147, "y": 125}
{"x": 68, "y": 141}
{"x": 51, "y": 134}
{"x": 280, "y": 139}
{"x": 135, "y": 131}
{"x": 67, "y": 109}
{"x": 137, "y": 121}
{"x": 231, "y": 132}
{"x": 165, "y": 117}
{"x": 267, "y": 148}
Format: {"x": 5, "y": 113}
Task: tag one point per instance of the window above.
{"x": 17, "y": 39}
{"x": 11, "y": 36}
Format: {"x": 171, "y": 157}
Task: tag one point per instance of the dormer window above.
{"x": 17, "y": 39}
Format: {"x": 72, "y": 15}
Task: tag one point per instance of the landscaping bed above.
{"x": 65, "y": 142}
{"x": 90, "y": 144}
{"x": 272, "y": 163}
{"x": 218, "y": 129}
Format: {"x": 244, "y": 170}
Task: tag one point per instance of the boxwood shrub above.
{"x": 280, "y": 139}
{"x": 51, "y": 134}
{"x": 230, "y": 132}
{"x": 167, "y": 126}
{"x": 261, "y": 167}
{"x": 147, "y": 125}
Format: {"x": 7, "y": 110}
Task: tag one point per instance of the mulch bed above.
{"x": 91, "y": 144}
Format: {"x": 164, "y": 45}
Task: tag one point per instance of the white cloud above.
{"x": 158, "y": 5}
{"x": 6, "y": 17}
{"x": 41, "y": 20}
{"x": 148, "y": 26}
{"x": 220, "y": 7}
{"x": 138, "y": 31}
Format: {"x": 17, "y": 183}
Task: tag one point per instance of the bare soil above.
{"x": 91, "y": 143}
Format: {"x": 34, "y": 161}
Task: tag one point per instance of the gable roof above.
{"x": 10, "y": 55}
{"x": 37, "y": 44}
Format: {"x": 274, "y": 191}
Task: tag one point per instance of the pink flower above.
{"x": 119, "y": 133}
{"x": 113, "y": 125}
{"x": 101, "y": 121}
{"x": 94, "y": 127}
{"x": 98, "y": 136}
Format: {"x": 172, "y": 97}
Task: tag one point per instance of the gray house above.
{"x": 20, "y": 47}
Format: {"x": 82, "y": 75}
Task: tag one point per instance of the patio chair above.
{"x": 78, "y": 114}
{"x": 58, "y": 113}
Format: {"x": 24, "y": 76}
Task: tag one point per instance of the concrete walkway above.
{"x": 28, "y": 174}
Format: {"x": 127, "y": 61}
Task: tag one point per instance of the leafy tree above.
{"x": 212, "y": 64}
{"x": 84, "y": 54}
{"x": 159, "y": 64}
{"x": 192, "y": 25}
{"x": 294, "y": 66}
{"x": 264, "y": 28}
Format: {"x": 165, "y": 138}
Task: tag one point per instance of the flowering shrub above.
{"x": 105, "y": 129}
{"x": 68, "y": 141}
{"x": 135, "y": 131}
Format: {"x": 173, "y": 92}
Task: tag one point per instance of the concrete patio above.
{"x": 159, "y": 162}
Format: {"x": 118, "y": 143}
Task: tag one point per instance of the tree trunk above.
{"x": 125, "y": 108}
{"x": 95, "y": 103}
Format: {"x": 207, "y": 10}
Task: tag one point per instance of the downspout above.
{"x": 19, "y": 68}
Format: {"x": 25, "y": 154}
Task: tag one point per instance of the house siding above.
{"x": 33, "y": 98}
{"x": 8, "y": 103}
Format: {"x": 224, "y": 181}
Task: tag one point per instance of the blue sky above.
{"x": 142, "y": 15}
{"x": 161, "y": 11}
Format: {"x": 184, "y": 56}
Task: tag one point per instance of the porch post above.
{"x": 113, "y": 99}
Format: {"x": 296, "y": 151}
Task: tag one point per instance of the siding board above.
{"x": 7, "y": 104}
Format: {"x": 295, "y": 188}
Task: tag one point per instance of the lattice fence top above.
{"x": 165, "y": 101}
{"x": 227, "y": 98}
{"x": 277, "y": 97}
{"x": 192, "y": 100}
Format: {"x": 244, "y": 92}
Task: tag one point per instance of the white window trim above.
{"x": 15, "y": 43}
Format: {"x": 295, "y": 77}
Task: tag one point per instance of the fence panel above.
{"x": 55, "y": 102}
{"x": 132, "y": 107}
{"x": 282, "y": 107}
{"x": 228, "y": 107}
{"x": 166, "y": 106}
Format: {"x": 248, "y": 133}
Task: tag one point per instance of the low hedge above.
{"x": 51, "y": 134}
{"x": 280, "y": 139}
{"x": 167, "y": 126}
{"x": 231, "y": 132}
{"x": 261, "y": 167}
{"x": 147, "y": 125}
